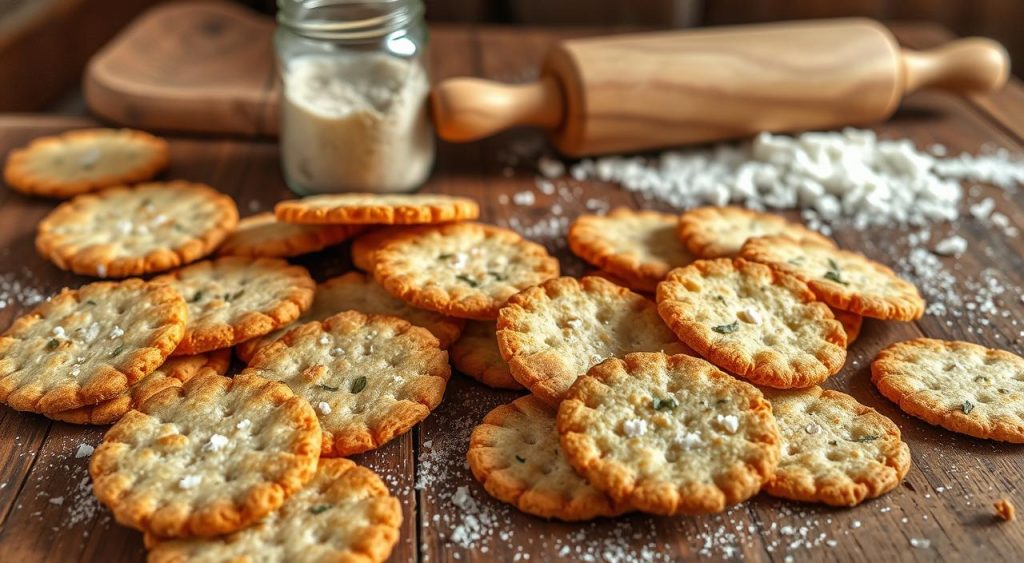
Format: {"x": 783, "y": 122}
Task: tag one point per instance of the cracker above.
{"x": 639, "y": 247}
{"x": 845, "y": 280}
{"x": 515, "y": 454}
{"x": 719, "y": 232}
{"x": 357, "y": 292}
{"x": 756, "y": 322}
{"x": 377, "y": 209}
{"x": 476, "y": 354}
{"x": 669, "y": 434}
{"x": 344, "y": 514}
{"x": 84, "y": 160}
{"x": 371, "y": 378}
{"x": 174, "y": 373}
{"x": 263, "y": 236}
{"x": 1005, "y": 510}
{"x": 465, "y": 270}
{"x": 851, "y": 322}
{"x": 365, "y": 245}
{"x": 208, "y": 458}
{"x": 232, "y": 299}
{"x": 122, "y": 232}
{"x": 553, "y": 333}
{"x": 959, "y": 386}
{"x": 834, "y": 449}
{"x": 88, "y": 345}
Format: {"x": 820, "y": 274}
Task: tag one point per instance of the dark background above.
{"x": 44, "y": 44}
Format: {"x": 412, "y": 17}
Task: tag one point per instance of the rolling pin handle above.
{"x": 467, "y": 109}
{"x": 967, "y": 66}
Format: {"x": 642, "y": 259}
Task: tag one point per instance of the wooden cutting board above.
{"x": 203, "y": 67}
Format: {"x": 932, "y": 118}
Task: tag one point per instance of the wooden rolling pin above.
{"x": 633, "y": 92}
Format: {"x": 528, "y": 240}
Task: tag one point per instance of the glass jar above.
{"x": 354, "y": 90}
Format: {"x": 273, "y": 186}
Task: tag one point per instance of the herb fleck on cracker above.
{"x": 668, "y": 404}
{"x": 467, "y": 280}
{"x": 320, "y": 508}
{"x": 727, "y": 329}
{"x": 358, "y": 384}
{"x": 967, "y": 407}
{"x": 834, "y": 274}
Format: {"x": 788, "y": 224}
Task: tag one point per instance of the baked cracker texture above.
{"x": 120, "y": 232}
{"x": 759, "y": 323}
{"x": 959, "y": 386}
{"x": 669, "y": 435}
{"x": 208, "y": 458}
{"x": 344, "y": 514}
{"x": 843, "y": 279}
{"x": 355, "y": 291}
{"x": 639, "y": 247}
{"x": 377, "y": 209}
{"x": 371, "y": 378}
{"x": 834, "y": 450}
{"x": 516, "y": 455}
{"x": 233, "y": 299}
{"x": 719, "y": 232}
{"x": 465, "y": 270}
{"x": 553, "y": 333}
{"x": 476, "y": 354}
{"x": 88, "y": 345}
{"x": 263, "y": 236}
{"x": 84, "y": 160}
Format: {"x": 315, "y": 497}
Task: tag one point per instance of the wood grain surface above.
{"x": 47, "y": 514}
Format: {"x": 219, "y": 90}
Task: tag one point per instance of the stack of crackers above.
{"x": 681, "y": 377}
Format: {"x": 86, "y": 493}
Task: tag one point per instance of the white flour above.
{"x": 849, "y": 175}
{"x": 355, "y": 122}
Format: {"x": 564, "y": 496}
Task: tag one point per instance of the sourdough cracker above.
{"x": 120, "y": 232}
{"x": 719, "y": 232}
{"x": 88, "y": 345}
{"x": 845, "y": 280}
{"x": 85, "y": 160}
{"x": 208, "y": 458}
{"x": 357, "y": 292}
{"x": 834, "y": 449}
{"x": 233, "y": 299}
{"x": 371, "y": 378}
{"x": 344, "y": 514}
{"x": 553, "y": 333}
{"x": 515, "y": 454}
{"x": 669, "y": 435}
{"x": 959, "y": 386}
{"x": 639, "y": 247}
{"x": 759, "y": 323}
{"x": 465, "y": 270}
{"x": 263, "y": 236}
{"x": 377, "y": 209}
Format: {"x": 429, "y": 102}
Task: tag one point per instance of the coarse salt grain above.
{"x": 751, "y": 315}
{"x": 952, "y": 246}
{"x": 728, "y": 422}
{"x": 215, "y": 443}
{"x": 190, "y": 481}
{"x": 324, "y": 408}
{"x": 84, "y": 450}
{"x": 634, "y": 427}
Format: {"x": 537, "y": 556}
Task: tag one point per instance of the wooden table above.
{"x": 47, "y": 512}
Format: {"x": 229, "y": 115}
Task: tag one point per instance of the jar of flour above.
{"x": 354, "y": 90}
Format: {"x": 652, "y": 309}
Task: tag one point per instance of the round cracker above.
{"x": 371, "y": 378}
{"x": 638, "y": 247}
{"x": 669, "y": 434}
{"x": 344, "y": 514}
{"x": 357, "y": 292}
{"x": 761, "y": 324}
{"x": 851, "y": 322}
{"x": 85, "y": 160}
{"x": 834, "y": 449}
{"x": 377, "y": 209}
{"x": 553, "y": 333}
{"x": 959, "y": 386}
{"x": 263, "y": 236}
{"x": 365, "y": 246}
{"x": 465, "y": 270}
{"x": 122, "y": 232}
{"x": 845, "y": 280}
{"x": 719, "y": 232}
{"x": 88, "y": 345}
{"x": 476, "y": 354}
{"x": 174, "y": 373}
{"x": 232, "y": 299}
{"x": 208, "y": 458}
{"x": 515, "y": 454}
